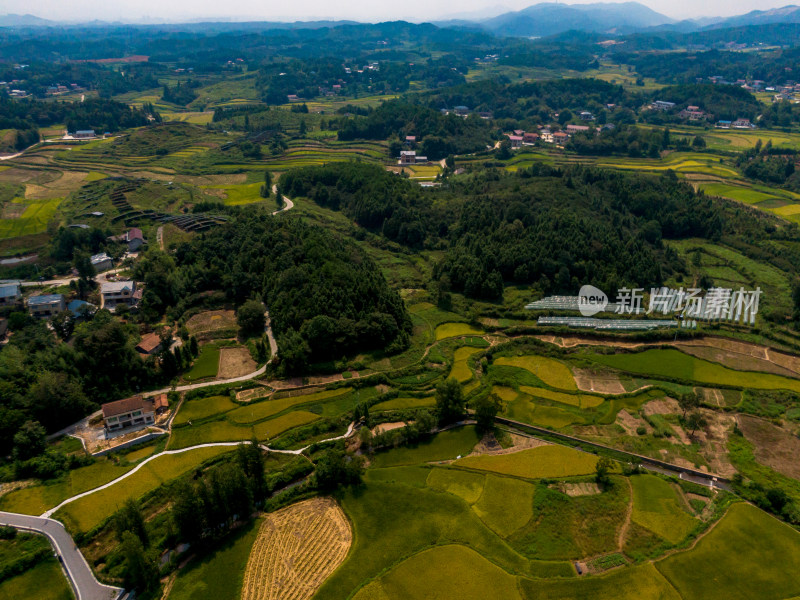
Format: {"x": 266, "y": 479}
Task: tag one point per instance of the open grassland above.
{"x": 447, "y": 330}
{"x": 749, "y": 554}
{"x": 672, "y": 363}
{"x": 451, "y": 571}
{"x": 237, "y": 195}
{"x": 404, "y": 404}
{"x": 643, "y": 582}
{"x": 201, "y": 408}
{"x": 196, "y": 118}
{"x": 535, "y": 463}
{"x": 461, "y": 371}
{"x": 552, "y": 372}
{"x": 443, "y": 446}
{"x": 218, "y": 575}
{"x": 297, "y": 548}
{"x": 85, "y": 513}
{"x": 37, "y": 499}
{"x": 45, "y": 581}
{"x": 656, "y": 507}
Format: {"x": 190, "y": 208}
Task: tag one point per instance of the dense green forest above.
{"x": 552, "y": 228}
{"x": 326, "y": 297}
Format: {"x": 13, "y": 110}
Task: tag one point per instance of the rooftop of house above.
{"x": 9, "y": 290}
{"x": 126, "y": 405}
{"x": 135, "y": 234}
{"x": 45, "y": 299}
{"x": 160, "y": 401}
{"x": 115, "y": 287}
{"x": 150, "y": 342}
{"x": 76, "y": 305}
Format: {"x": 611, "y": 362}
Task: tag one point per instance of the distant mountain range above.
{"x": 539, "y": 20}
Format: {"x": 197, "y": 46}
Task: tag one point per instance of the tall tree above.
{"x": 449, "y": 401}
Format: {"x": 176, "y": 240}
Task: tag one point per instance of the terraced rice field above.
{"x": 33, "y": 219}
{"x": 297, "y": 548}
{"x": 552, "y": 372}
{"x": 461, "y": 371}
{"x": 447, "y": 330}
{"x": 548, "y": 461}
{"x": 657, "y": 507}
{"x": 577, "y": 400}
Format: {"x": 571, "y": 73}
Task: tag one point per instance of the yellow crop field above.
{"x": 447, "y": 330}
{"x": 297, "y": 548}
{"x": 579, "y": 400}
{"x": 554, "y": 373}
{"x": 535, "y": 463}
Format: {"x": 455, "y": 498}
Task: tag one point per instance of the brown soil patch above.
{"x": 586, "y": 488}
{"x": 235, "y": 362}
{"x": 630, "y": 423}
{"x": 253, "y": 394}
{"x": 5, "y": 488}
{"x": 211, "y": 321}
{"x": 734, "y": 360}
{"x": 594, "y": 381}
{"x": 16, "y": 175}
{"x": 297, "y": 548}
{"x": 384, "y": 427}
{"x": 663, "y": 406}
{"x": 13, "y": 210}
{"x": 773, "y": 446}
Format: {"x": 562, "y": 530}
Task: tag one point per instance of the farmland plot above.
{"x": 296, "y": 549}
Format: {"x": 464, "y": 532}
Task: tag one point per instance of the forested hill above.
{"x": 325, "y": 296}
{"x": 551, "y": 228}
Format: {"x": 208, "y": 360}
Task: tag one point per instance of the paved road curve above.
{"x": 80, "y": 575}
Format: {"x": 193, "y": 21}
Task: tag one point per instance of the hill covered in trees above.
{"x": 325, "y": 296}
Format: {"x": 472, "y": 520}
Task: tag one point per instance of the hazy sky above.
{"x": 360, "y": 10}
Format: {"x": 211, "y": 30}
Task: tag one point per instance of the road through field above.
{"x": 79, "y": 574}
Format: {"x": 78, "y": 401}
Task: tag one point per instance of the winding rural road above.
{"x": 78, "y": 571}
{"x": 287, "y": 204}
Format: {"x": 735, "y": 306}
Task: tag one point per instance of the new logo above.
{"x": 591, "y": 300}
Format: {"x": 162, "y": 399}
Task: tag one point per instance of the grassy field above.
{"x": 535, "y": 463}
{"x": 577, "y": 400}
{"x": 45, "y": 581}
{"x": 37, "y": 499}
{"x": 206, "y": 364}
{"x": 451, "y": 571}
{"x": 447, "y": 330}
{"x": 404, "y": 403}
{"x": 526, "y": 410}
{"x": 672, "y": 363}
{"x": 506, "y": 504}
{"x": 636, "y": 583}
{"x": 201, "y": 408}
{"x": 91, "y": 510}
{"x": 656, "y": 507}
{"x": 237, "y": 195}
{"x": 554, "y": 373}
{"x": 749, "y": 554}
{"x": 464, "y": 484}
{"x": 225, "y": 431}
{"x": 217, "y": 576}
{"x": 443, "y": 446}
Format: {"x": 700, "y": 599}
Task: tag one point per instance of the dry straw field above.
{"x": 297, "y": 548}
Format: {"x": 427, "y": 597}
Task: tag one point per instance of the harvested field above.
{"x": 384, "y": 427}
{"x": 734, "y": 360}
{"x": 297, "y": 548}
{"x": 253, "y": 394}
{"x": 586, "y": 488}
{"x": 772, "y": 446}
{"x": 205, "y": 323}
{"x": 594, "y": 381}
{"x": 234, "y": 362}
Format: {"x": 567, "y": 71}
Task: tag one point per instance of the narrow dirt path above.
{"x": 623, "y": 531}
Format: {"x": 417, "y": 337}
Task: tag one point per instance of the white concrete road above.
{"x": 80, "y": 575}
